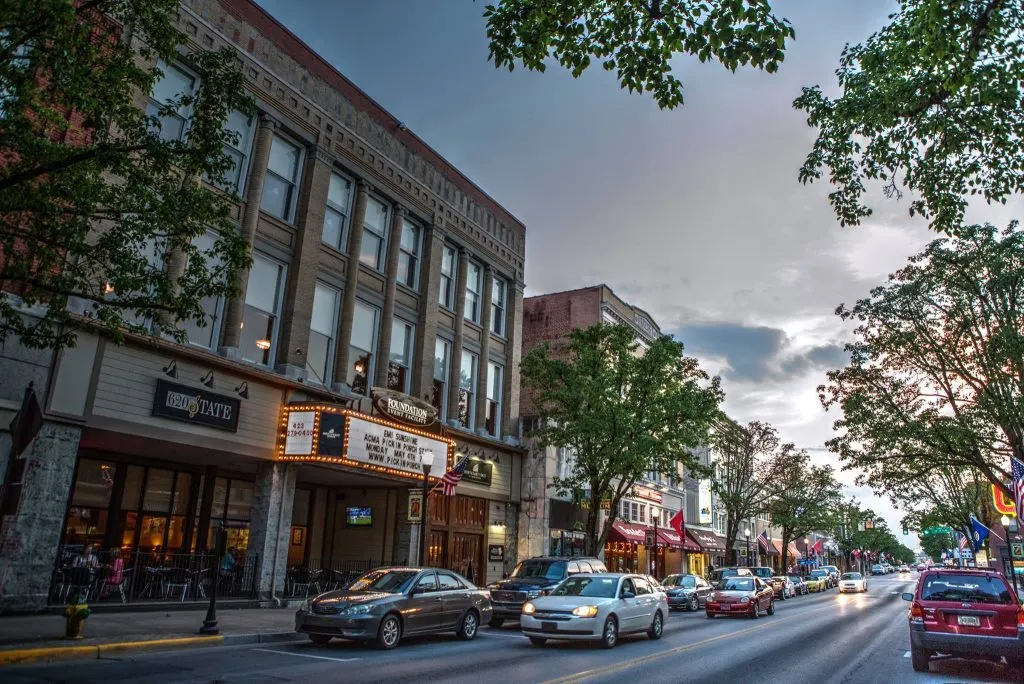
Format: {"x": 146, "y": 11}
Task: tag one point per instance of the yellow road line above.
{"x": 36, "y": 655}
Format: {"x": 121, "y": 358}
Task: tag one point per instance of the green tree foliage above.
{"x": 97, "y": 200}
{"x": 930, "y": 103}
{"x": 637, "y": 39}
{"x": 621, "y": 411}
{"x": 945, "y": 495}
{"x": 805, "y": 499}
{"x": 936, "y": 379}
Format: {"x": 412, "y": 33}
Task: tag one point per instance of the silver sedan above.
{"x": 596, "y": 607}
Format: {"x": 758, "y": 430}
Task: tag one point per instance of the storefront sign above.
{"x": 650, "y": 538}
{"x": 199, "y": 407}
{"x": 495, "y": 553}
{"x": 299, "y": 437}
{"x": 478, "y": 472}
{"x": 704, "y": 501}
{"x": 331, "y": 439}
{"x": 388, "y": 447}
{"x": 646, "y": 493}
{"x": 1017, "y": 550}
{"x": 415, "y": 506}
{"x": 1003, "y": 502}
{"x": 403, "y": 408}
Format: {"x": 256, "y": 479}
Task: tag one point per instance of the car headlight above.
{"x": 529, "y": 608}
{"x": 361, "y": 609}
{"x": 585, "y": 611}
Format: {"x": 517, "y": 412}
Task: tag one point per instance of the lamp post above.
{"x": 807, "y": 551}
{"x": 654, "y": 515}
{"x": 1009, "y": 551}
{"x": 220, "y": 543}
{"x": 426, "y": 460}
{"x": 746, "y": 535}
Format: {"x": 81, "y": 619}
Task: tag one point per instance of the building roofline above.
{"x": 296, "y": 48}
{"x": 563, "y": 292}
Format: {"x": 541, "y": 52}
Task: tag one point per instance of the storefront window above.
{"x": 297, "y": 542}
{"x": 93, "y": 484}
{"x": 239, "y": 500}
{"x": 158, "y": 491}
{"x": 132, "y": 488}
{"x": 181, "y": 492}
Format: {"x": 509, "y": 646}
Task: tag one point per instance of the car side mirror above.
{"x": 628, "y": 595}
{"x": 907, "y": 596}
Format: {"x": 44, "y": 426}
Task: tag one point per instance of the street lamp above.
{"x": 807, "y": 550}
{"x": 426, "y": 460}
{"x": 1009, "y": 551}
{"x": 746, "y": 534}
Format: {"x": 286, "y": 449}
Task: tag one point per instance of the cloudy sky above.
{"x": 695, "y": 215}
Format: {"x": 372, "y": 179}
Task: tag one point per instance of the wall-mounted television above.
{"x": 358, "y": 516}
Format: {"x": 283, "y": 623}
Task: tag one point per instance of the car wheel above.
{"x": 657, "y": 627}
{"x": 771, "y": 608}
{"x": 496, "y": 622}
{"x": 919, "y": 659}
{"x": 610, "y": 633}
{"x": 709, "y": 615}
{"x": 470, "y": 624}
{"x": 389, "y": 633}
{"x": 320, "y": 639}
{"x": 756, "y": 612}
{"x": 694, "y": 604}
{"x": 538, "y": 641}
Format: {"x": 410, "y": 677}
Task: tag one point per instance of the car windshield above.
{"x": 727, "y": 572}
{"x": 762, "y": 572}
{"x": 852, "y": 576}
{"x": 388, "y": 581}
{"x": 977, "y": 589}
{"x": 739, "y": 584}
{"x": 680, "y": 581}
{"x": 552, "y": 570}
{"x": 598, "y": 587}
{"x": 818, "y": 573}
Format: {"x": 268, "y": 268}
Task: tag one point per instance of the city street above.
{"x": 857, "y": 639}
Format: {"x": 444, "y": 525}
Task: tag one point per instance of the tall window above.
{"x": 447, "y": 290}
{"x": 493, "y": 418}
{"x": 409, "y": 254}
{"x": 282, "y": 180}
{"x": 262, "y": 308}
{"x": 375, "y": 227}
{"x": 360, "y": 356}
{"x": 205, "y": 334}
{"x": 238, "y": 151}
{"x": 175, "y": 84}
{"x": 467, "y": 387}
{"x": 320, "y": 350}
{"x": 401, "y": 356}
{"x": 474, "y": 277}
{"x": 339, "y": 197}
{"x": 499, "y": 292}
{"x": 439, "y": 393}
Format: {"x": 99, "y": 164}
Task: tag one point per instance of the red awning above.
{"x": 776, "y": 549}
{"x": 793, "y": 553}
{"x": 709, "y": 542}
{"x": 670, "y": 538}
{"x": 626, "y": 532}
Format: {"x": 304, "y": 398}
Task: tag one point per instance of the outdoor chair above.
{"x": 177, "y": 578}
{"x": 301, "y": 580}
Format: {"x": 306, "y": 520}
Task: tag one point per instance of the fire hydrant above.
{"x": 76, "y": 613}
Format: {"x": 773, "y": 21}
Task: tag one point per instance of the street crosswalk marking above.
{"x": 305, "y": 655}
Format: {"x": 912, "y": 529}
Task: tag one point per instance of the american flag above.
{"x": 1018, "y": 486}
{"x": 762, "y": 541}
{"x": 962, "y": 542}
{"x": 451, "y": 479}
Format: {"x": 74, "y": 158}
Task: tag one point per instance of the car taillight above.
{"x": 916, "y": 612}
{"x": 1020, "y": 617}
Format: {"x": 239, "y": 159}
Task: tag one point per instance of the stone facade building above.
{"x": 379, "y": 270}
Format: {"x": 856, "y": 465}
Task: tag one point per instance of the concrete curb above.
{"x": 120, "y": 648}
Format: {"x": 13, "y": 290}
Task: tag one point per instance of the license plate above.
{"x": 549, "y": 626}
{"x": 726, "y": 606}
{"x": 968, "y": 621}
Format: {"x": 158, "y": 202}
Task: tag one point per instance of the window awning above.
{"x": 626, "y": 532}
{"x": 707, "y": 540}
{"x": 671, "y": 538}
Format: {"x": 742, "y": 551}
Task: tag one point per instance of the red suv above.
{"x": 964, "y": 613}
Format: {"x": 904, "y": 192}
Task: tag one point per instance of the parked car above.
{"x": 749, "y": 596}
{"x": 688, "y": 592}
{"x": 853, "y": 582}
{"x": 799, "y": 584}
{"x": 833, "y": 573}
{"x": 387, "y": 604}
{"x": 719, "y": 575}
{"x": 967, "y": 613}
{"x": 530, "y": 579}
{"x": 817, "y": 580}
{"x": 789, "y": 589}
{"x": 596, "y": 607}
{"x": 920, "y": 567}
{"x": 768, "y": 576}
{"x": 877, "y": 569}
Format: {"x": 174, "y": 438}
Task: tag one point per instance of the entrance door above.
{"x": 437, "y": 548}
{"x": 466, "y": 552}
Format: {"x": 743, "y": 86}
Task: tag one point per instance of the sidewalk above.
{"x": 35, "y": 638}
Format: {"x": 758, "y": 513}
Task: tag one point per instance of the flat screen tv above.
{"x": 358, "y": 516}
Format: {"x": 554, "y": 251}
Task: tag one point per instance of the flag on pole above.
{"x": 451, "y": 479}
{"x": 979, "y": 532}
{"x": 678, "y": 523}
{"x": 763, "y": 542}
{"x": 1018, "y": 486}
{"x": 961, "y": 541}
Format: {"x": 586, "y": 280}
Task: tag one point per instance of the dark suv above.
{"x": 767, "y": 575}
{"x": 719, "y": 575}
{"x": 967, "y": 613}
{"x": 530, "y": 579}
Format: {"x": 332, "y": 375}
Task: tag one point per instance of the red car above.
{"x": 749, "y": 596}
{"x": 966, "y": 613}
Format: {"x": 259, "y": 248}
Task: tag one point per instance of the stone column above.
{"x": 390, "y": 285}
{"x": 460, "y": 325}
{"x": 270, "y": 527}
{"x": 298, "y": 303}
{"x": 231, "y": 331}
{"x": 426, "y": 324}
{"x": 348, "y": 304}
{"x": 485, "y": 345}
{"x": 513, "y": 356}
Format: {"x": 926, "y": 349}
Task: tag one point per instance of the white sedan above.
{"x": 596, "y": 607}
{"x": 852, "y": 582}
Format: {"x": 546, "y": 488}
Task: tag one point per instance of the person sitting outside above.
{"x": 86, "y": 559}
{"x": 114, "y": 573}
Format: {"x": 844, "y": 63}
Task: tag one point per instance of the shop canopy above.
{"x": 627, "y": 532}
{"x": 670, "y": 538}
{"x": 776, "y": 549}
{"x": 707, "y": 540}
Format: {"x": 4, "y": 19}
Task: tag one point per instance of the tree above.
{"x": 620, "y": 411}
{"x": 101, "y": 203}
{"x": 804, "y": 501}
{"x": 929, "y": 104}
{"x": 637, "y": 39}
{"x": 948, "y": 495}
{"x": 936, "y": 378}
{"x": 749, "y": 468}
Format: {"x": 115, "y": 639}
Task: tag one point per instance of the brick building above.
{"x": 382, "y": 277}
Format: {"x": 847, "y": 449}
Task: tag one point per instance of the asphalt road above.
{"x": 852, "y": 639}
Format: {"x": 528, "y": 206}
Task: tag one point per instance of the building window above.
{"x": 339, "y": 198}
{"x": 282, "y": 179}
{"x": 409, "y": 254}
{"x": 175, "y": 83}
{"x": 467, "y": 387}
{"x": 493, "y": 418}
{"x": 371, "y": 252}
{"x": 401, "y": 356}
{"x": 439, "y": 392}
{"x": 499, "y": 293}
{"x": 447, "y": 290}
{"x": 206, "y": 333}
{"x": 474, "y": 276}
{"x": 360, "y": 355}
{"x": 262, "y": 309}
{"x": 323, "y": 323}
{"x": 238, "y": 150}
